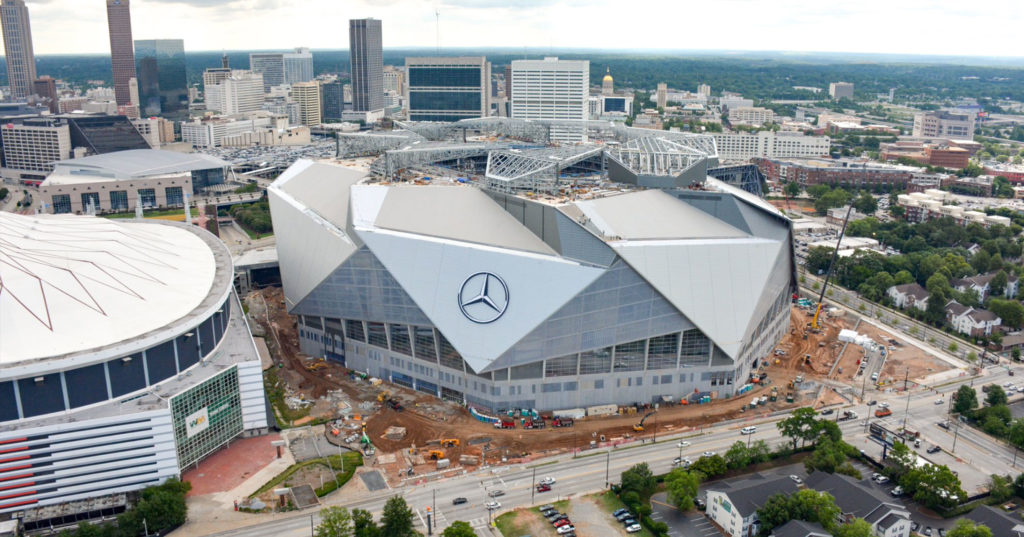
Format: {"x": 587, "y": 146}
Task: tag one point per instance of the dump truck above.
{"x": 504, "y": 424}
{"x": 561, "y": 422}
{"x": 537, "y": 423}
{"x": 436, "y": 454}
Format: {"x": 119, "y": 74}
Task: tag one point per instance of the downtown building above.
{"x": 553, "y": 89}
{"x": 633, "y": 295}
{"x": 743, "y": 146}
{"x": 120, "y": 370}
{"x": 281, "y": 68}
{"x": 237, "y": 93}
{"x": 448, "y": 89}
{"x": 162, "y": 82}
{"x": 366, "y": 54}
{"x": 122, "y": 53}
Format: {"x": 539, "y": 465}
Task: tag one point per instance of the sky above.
{"x": 928, "y": 27}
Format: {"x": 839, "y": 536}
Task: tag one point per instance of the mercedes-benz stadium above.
{"x": 565, "y": 277}
{"x": 124, "y": 359}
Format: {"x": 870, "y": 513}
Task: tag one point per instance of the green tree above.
{"x": 902, "y": 459}
{"x": 858, "y": 528}
{"x": 639, "y": 479}
{"x": 681, "y": 486}
{"x": 334, "y": 522}
{"x": 980, "y": 261}
{"x": 827, "y": 456}
{"x": 459, "y": 529}
{"x": 396, "y": 520}
{"x": 818, "y": 259}
{"x": 902, "y": 277}
{"x": 833, "y": 198}
{"x": 996, "y": 396}
{"x": 801, "y": 425}
{"x": 966, "y": 527}
{"x": 792, "y": 189}
{"x": 997, "y": 286}
{"x": 738, "y": 456}
{"x": 935, "y": 487}
{"x": 865, "y": 203}
{"x": 1010, "y": 312}
{"x": 760, "y": 452}
{"x": 710, "y": 466}
{"x": 966, "y": 400}
{"x": 1000, "y": 487}
{"x": 807, "y": 505}
{"x": 363, "y": 524}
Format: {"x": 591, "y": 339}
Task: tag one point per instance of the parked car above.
{"x": 633, "y": 529}
{"x": 940, "y": 401}
{"x": 624, "y": 516}
{"x": 927, "y": 531}
{"x": 896, "y": 491}
{"x": 882, "y": 480}
{"x": 618, "y": 512}
{"x": 796, "y": 479}
{"x": 566, "y": 529}
{"x": 547, "y": 507}
{"x": 561, "y": 522}
{"x": 629, "y": 522}
{"x": 459, "y": 501}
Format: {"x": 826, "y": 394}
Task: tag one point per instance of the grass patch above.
{"x": 352, "y": 460}
{"x": 274, "y": 387}
{"x": 252, "y": 234}
{"x": 508, "y": 526}
{"x": 148, "y": 213}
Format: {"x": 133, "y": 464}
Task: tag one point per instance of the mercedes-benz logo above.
{"x": 483, "y": 297}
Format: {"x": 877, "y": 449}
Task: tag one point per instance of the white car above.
{"x": 566, "y": 529}
{"x": 796, "y": 479}
{"x": 883, "y": 404}
{"x": 708, "y": 454}
{"x": 748, "y": 430}
{"x": 683, "y": 443}
{"x": 633, "y": 528}
{"x": 491, "y": 506}
{"x": 940, "y": 401}
{"x": 547, "y": 481}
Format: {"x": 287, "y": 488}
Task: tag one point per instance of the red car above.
{"x": 543, "y": 488}
{"x": 561, "y": 523}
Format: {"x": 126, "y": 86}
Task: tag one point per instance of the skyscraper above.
{"x": 332, "y": 102}
{"x": 21, "y": 60}
{"x": 122, "y": 54}
{"x": 553, "y": 89}
{"x": 298, "y": 66}
{"x": 240, "y": 92}
{"x": 46, "y": 87}
{"x": 366, "y": 50}
{"x": 307, "y": 94}
{"x": 448, "y": 89}
{"x": 282, "y": 67}
{"x": 163, "y": 89}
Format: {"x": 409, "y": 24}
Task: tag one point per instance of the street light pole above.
{"x": 608, "y": 462}
{"x": 533, "y": 485}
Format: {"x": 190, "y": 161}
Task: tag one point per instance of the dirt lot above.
{"x": 427, "y": 420}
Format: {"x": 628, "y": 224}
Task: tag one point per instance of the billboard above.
{"x": 197, "y": 422}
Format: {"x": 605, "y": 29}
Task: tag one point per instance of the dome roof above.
{"x": 607, "y": 76}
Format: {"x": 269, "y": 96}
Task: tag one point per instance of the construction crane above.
{"x": 831, "y": 267}
{"x": 639, "y": 427}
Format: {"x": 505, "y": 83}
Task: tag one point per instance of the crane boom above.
{"x": 831, "y": 266}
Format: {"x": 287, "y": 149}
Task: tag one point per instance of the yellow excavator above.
{"x": 831, "y": 267}
{"x": 639, "y": 427}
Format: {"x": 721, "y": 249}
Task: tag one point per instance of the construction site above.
{"x": 410, "y": 435}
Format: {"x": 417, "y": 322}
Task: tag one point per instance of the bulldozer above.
{"x": 383, "y": 396}
{"x": 450, "y": 442}
{"x": 436, "y": 454}
{"x": 639, "y": 427}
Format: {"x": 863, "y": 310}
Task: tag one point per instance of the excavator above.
{"x": 639, "y": 427}
{"x": 831, "y": 267}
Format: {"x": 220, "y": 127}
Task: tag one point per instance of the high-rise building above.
{"x": 704, "y": 90}
{"x": 553, "y": 89}
{"x": 21, "y": 60}
{"x": 214, "y": 75}
{"x": 332, "y": 102}
{"x": 943, "y": 124}
{"x": 298, "y": 66}
{"x": 280, "y": 68}
{"x": 307, "y": 95}
{"x": 448, "y": 89}
{"x": 46, "y": 87}
{"x": 122, "y": 53}
{"x": 163, "y": 88}
{"x": 608, "y": 83}
{"x": 366, "y": 51}
{"x": 240, "y": 92}
{"x": 394, "y": 80}
{"x": 31, "y": 147}
{"x": 662, "y": 95}
{"x": 840, "y": 90}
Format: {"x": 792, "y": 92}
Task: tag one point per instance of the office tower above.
{"x": 46, "y": 87}
{"x": 240, "y": 92}
{"x": 608, "y": 83}
{"x": 31, "y": 147}
{"x": 21, "y": 60}
{"x": 394, "y": 80}
{"x": 704, "y": 90}
{"x": 944, "y": 124}
{"x": 213, "y": 76}
{"x": 332, "y": 102}
{"x": 163, "y": 89}
{"x": 448, "y": 89}
{"x": 122, "y": 54}
{"x": 307, "y": 95}
{"x": 298, "y": 66}
{"x": 840, "y": 90}
{"x": 366, "y": 52}
{"x": 662, "y": 95}
{"x": 271, "y": 65}
{"x": 553, "y": 89}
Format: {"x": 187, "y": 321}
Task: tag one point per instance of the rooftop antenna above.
{"x": 437, "y": 26}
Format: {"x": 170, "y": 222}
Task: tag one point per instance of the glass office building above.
{"x": 448, "y": 89}
{"x": 163, "y": 85}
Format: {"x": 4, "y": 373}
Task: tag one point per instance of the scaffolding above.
{"x": 362, "y": 144}
{"x": 393, "y": 161}
{"x": 657, "y": 156}
{"x": 747, "y": 177}
{"x": 538, "y": 170}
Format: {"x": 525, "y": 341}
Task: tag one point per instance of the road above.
{"x": 974, "y": 459}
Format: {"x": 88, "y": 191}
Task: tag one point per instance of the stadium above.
{"x": 124, "y": 359}
{"x": 522, "y": 274}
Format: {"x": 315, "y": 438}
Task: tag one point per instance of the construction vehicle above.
{"x": 317, "y": 365}
{"x": 883, "y": 412}
{"x": 789, "y": 397}
{"x": 828, "y": 273}
{"x": 639, "y": 427}
{"x": 504, "y": 424}
{"x": 450, "y": 442}
{"x": 436, "y": 454}
{"x": 561, "y": 422}
{"x": 393, "y": 404}
{"x": 383, "y": 396}
{"x": 774, "y": 395}
{"x": 536, "y": 423}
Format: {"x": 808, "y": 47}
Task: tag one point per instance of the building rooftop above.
{"x": 751, "y": 494}
{"x": 1000, "y": 524}
{"x": 77, "y": 283}
{"x": 799, "y": 528}
{"x": 132, "y": 164}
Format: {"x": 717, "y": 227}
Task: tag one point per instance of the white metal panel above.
{"x": 433, "y": 271}
{"x": 250, "y": 386}
{"x": 716, "y": 283}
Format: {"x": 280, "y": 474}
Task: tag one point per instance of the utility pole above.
{"x": 311, "y": 532}
{"x": 608, "y": 461}
{"x": 433, "y": 503}
{"x": 533, "y": 485}
{"x": 906, "y": 412}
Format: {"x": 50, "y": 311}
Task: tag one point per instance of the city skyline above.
{"x": 74, "y": 26}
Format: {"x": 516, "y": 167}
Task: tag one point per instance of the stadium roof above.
{"x": 132, "y": 164}
{"x": 74, "y": 283}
